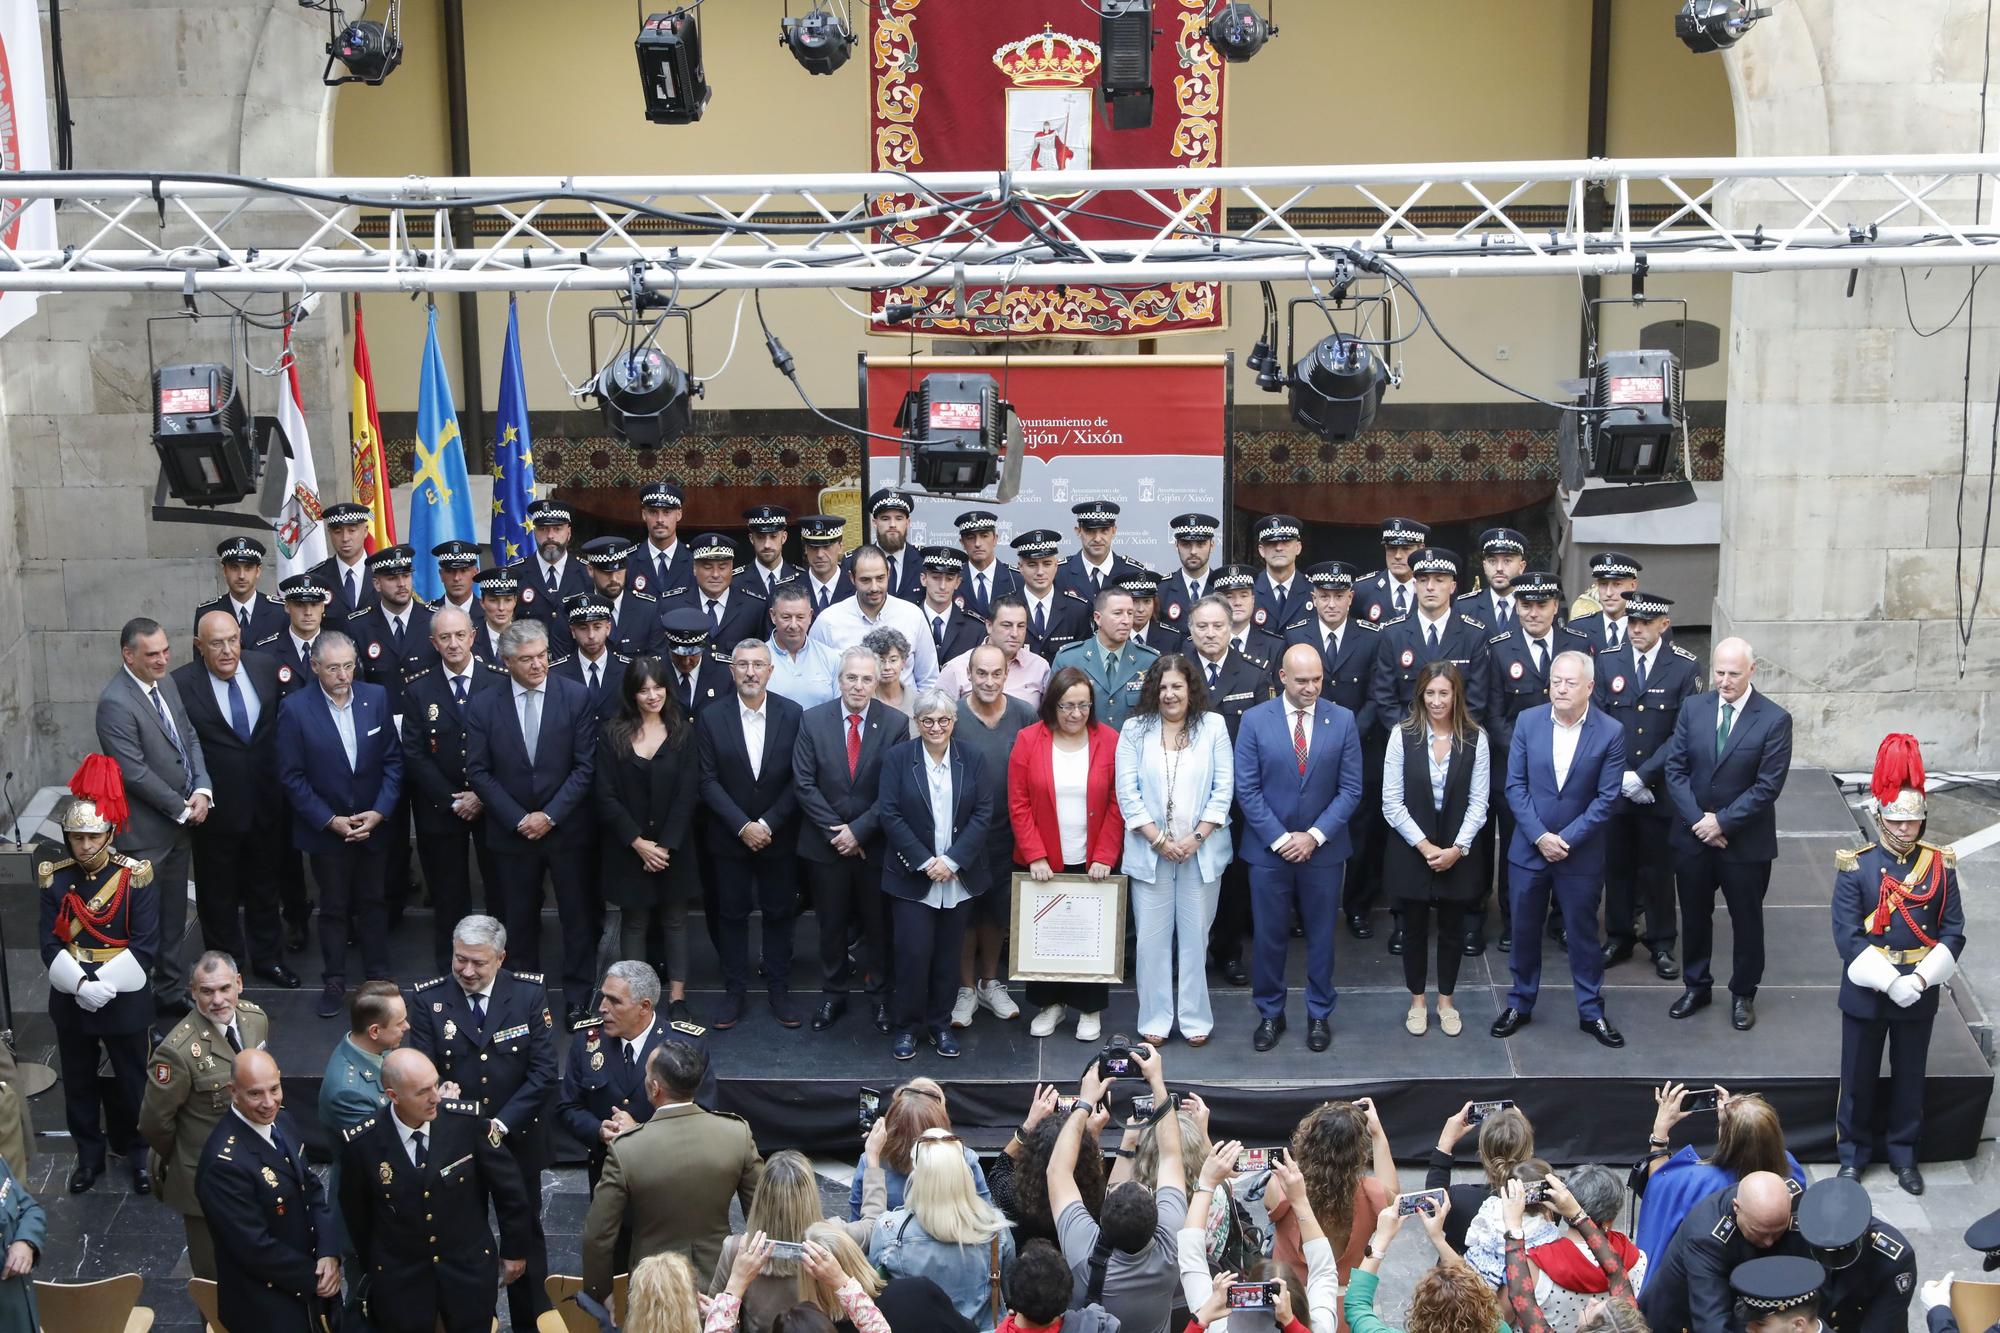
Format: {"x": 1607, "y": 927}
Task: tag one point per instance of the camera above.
{"x": 1480, "y": 1110}
{"x": 1253, "y": 1295}
{"x": 871, "y": 1108}
{"x": 1116, "y": 1060}
{"x": 1420, "y": 1201}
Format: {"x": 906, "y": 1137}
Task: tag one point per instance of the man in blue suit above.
{"x": 1731, "y": 750}
{"x": 1564, "y": 767}
{"x": 530, "y": 752}
{"x": 1298, "y": 781}
{"x": 342, "y": 770}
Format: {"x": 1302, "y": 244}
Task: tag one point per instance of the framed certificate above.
{"x": 1068, "y": 928}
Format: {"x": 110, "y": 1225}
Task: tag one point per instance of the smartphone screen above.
{"x": 1253, "y": 1159}
{"x": 1421, "y": 1201}
{"x": 1480, "y": 1110}
{"x": 788, "y": 1249}
{"x": 1704, "y": 1099}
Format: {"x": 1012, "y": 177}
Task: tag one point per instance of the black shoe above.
{"x": 881, "y": 1015}
{"x": 83, "y": 1177}
{"x": 1475, "y": 943}
{"x": 680, "y": 1011}
{"x": 295, "y": 937}
{"x": 1267, "y": 1033}
{"x": 1849, "y": 1173}
{"x": 1396, "y": 941}
{"x": 1615, "y": 954}
{"x": 731, "y": 1012}
{"x": 1601, "y": 1029}
{"x": 945, "y": 1044}
{"x": 1319, "y": 1034}
{"x": 1506, "y": 941}
{"x": 1358, "y": 927}
{"x": 1911, "y": 1179}
{"x": 1298, "y": 929}
{"x": 1235, "y": 973}
{"x": 1511, "y": 1020}
{"x": 905, "y": 1046}
{"x": 782, "y": 1009}
{"x": 1664, "y": 964}
{"x": 1560, "y": 936}
{"x": 332, "y": 1000}
{"x": 1742, "y": 1013}
{"x": 142, "y": 1180}
{"x": 1690, "y": 1001}
{"x": 829, "y": 1012}
{"x": 278, "y": 975}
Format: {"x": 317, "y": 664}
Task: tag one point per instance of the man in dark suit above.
{"x": 415, "y": 1180}
{"x": 1093, "y": 566}
{"x": 342, "y": 769}
{"x": 239, "y": 861}
{"x": 604, "y": 1079}
{"x": 593, "y": 665}
{"x": 344, "y": 574}
{"x": 392, "y": 640}
{"x": 142, "y": 723}
{"x": 447, "y": 811}
{"x": 825, "y": 579}
{"x": 1057, "y": 616}
{"x": 837, "y": 767}
{"x": 291, "y": 648}
{"x": 1298, "y": 779}
{"x": 1194, "y": 544}
{"x": 275, "y": 1247}
{"x": 531, "y": 752}
{"x": 768, "y": 566}
{"x": 889, "y": 517}
{"x": 1347, "y": 652}
{"x": 549, "y": 578}
{"x": 753, "y": 835}
{"x": 635, "y": 615}
{"x": 954, "y": 627}
{"x": 1564, "y": 765}
{"x": 986, "y": 576}
{"x": 1284, "y": 597}
{"x": 728, "y": 613}
{"x": 257, "y": 617}
{"x": 1731, "y": 752}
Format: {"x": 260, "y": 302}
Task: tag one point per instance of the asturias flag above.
{"x": 513, "y": 456}
{"x": 440, "y": 495}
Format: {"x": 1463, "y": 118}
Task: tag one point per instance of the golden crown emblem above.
{"x": 1049, "y": 59}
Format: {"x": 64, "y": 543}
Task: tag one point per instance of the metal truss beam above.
{"x": 866, "y": 231}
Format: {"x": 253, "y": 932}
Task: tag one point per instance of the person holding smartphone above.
{"x": 1748, "y": 1138}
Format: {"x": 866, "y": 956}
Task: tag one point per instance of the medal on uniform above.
{"x": 385, "y": 1174}
{"x": 597, "y": 1059}
{"x": 437, "y": 1006}
{"x": 270, "y": 1177}
{"x": 194, "y": 1050}
{"x": 450, "y": 1029}
{"x": 433, "y": 713}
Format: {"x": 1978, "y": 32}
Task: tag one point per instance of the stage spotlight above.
{"x": 958, "y": 428}
{"x": 1125, "y": 32}
{"x": 1714, "y": 25}
{"x": 1636, "y": 414}
{"x": 369, "y": 50}
{"x": 1336, "y": 387}
{"x": 670, "y": 70}
{"x": 201, "y": 431}
{"x": 820, "y": 41}
{"x": 1238, "y": 32}
{"x": 647, "y": 400}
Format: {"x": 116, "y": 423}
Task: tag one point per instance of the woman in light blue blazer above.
{"x": 1175, "y": 777}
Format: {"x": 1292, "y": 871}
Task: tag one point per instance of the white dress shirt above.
{"x": 262, "y": 1131}
{"x": 1735, "y": 713}
{"x": 252, "y": 707}
{"x": 938, "y": 775}
{"x": 554, "y": 573}
{"x": 409, "y": 1137}
{"x": 1425, "y": 625}
{"x": 1103, "y": 570}
{"x": 1646, "y": 660}
{"x": 343, "y": 723}
{"x": 753, "y": 734}
{"x": 359, "y": 569}
{"x": 1329, "y": 638}
{"x": 1048, "y": 605}
{"x": 844, "y": 625}
{"x": 1564, "y": 750}
{"x": 1293, "y": 718}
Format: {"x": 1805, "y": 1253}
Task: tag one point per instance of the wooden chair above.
{"x": 562, "y": 1289}
{"x": 201, "y": 1291}
{"x": 1976, "y": 1305}
{"x": 93, "y": 1307}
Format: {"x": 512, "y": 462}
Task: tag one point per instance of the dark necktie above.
{"x": 593, "y": 680}
{"x": 714, "y": 617}
{"x": 1041, "y": 621}
{"x": 687, "y": 692}
{"x": 1194, "y": 591}
{"x": 1611, "y": 633}
{"x": 239, "y": 715}
{"x": 1237, "y": 644}
{"x": 1299, "y": 739}
{"x": 625, "y": 1049}
{"x": 1431, "y": 632}
{"x": 281, "y": 1143}
{"x": 353, "y": 597}
{"x": 1541, "y": 659}
{"x": 458, "y": 689}
{"x": 1640, "y": 658}
{"x": 235, "y": 1042}
{"x": 477, "y": 1003}
{"x": 420, "y": 1142}
{"x": 1722, "y": 730}
{"x": 1402, "y": 600}
{"x": 396, "y": 633}
{"x": 853, "y": 743}
{"x": 979, "y": 588}
{"x": 1332, "y": 647}
{"x": 1214, "y": 671}
{"x": 1506, "y": 613}
{"x": 937, "y": 630}
{"x": 822, "y": 597}
{"x": 555, "y": 582}
{"x": 243, "y": 619}
{"x": 174, "y": 735}
{"x": 660, "y": 565}
{"x": 1110, "y": 666}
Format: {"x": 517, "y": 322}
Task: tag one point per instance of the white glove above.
{"x": 65, "y": 973}
{"x": 94, "y": 995}
{"x": 1644, "y": 797}
{"x": 1871, "y": 971}
{"x": 1938, "y": 966}
{"x": 1632, "y": 787}
{"x": 123, "y": 972}
{"x": 1936, "y": 1293}
{"x": 1905, "y": 990}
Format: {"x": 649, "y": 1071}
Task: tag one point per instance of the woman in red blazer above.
{"x": 1065, "y": 817}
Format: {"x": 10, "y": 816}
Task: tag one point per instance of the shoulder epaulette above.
{"x": 1682, "y": 652}
{"x": 1949, "y": 855}
{"x": 1366, "y": 624}
{"x": 690, "y": 1029}
{"x": 637, "y": 595}
{"x": 412, "y": 677}
{"x": 1074, "y": 595}
{"x": 535, "y": 977}
{"x": 1397, "y": 621}
{"x": 352, "y": 1132}
{"x": 493, "y": 668}
{"x": 622, "y": 658}
{"x": 1888, "y": 1246}
{"x": 754, "y": 590}
{"x": 434, "y": 981}
{"x": 272, "y": 638}
{"x": 715, "y": 655}
{"x": 273, "y": 599}
{"x": 673, "y": 592}
{"x": 249, "y": 1007}
{"x": 46, "y": 871}
{"x": 596, "y": 1021}
{"x": 428, "y": 606}
{"x": 459, "y": 1108}
{"x": 1502, "y": 636}
{"x": 1573, "y": 632}
{"x": 142, "y": 870}
{"x": 1848, "y": 858}
{"x": 181, "y": 1029}
{"x": 1147, "y": 646}
{"x": 1300, "y": 623}
{"x": 1726, "y": 1226}
{"x": 1476, "y": 624}
{"x": 364, "y": 612}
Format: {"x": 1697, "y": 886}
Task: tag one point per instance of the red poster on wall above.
{"x": 981, "y": 85}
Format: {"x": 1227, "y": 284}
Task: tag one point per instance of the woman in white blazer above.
{"x": 1175, "y": 776}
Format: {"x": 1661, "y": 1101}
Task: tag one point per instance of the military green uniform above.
{"x": 670, "y": 1180}
{"x": 17, "y": 1128}
{"x": 187, "y": 1093}
{"x": 350, "y": 1093}
{"x": 1116, "y": 685}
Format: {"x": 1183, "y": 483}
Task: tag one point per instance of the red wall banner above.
{"x": 981, "y": 85}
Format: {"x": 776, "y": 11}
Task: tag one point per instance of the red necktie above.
{"x": 1299, "y": 740}
{"x": 853, "y": 743}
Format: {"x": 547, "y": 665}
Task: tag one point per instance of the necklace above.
{"x": 1171, "y": 755}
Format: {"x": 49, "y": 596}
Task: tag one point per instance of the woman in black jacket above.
{"x": 647, "y": 787}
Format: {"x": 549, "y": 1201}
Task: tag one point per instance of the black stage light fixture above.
{"x": 367, "y": 49}
{"x": 1636, "y": 413}
{"x": 647, "y": 400}
{"x": 670, "y": 69}
{"x": 956, "y": 429}
{"x": 201, "y": 431}
{"x": 1714, "y": 25}
{"x": 821, "y": 41}
{"x": 1238, "y": 32}
{"x": 1125, "y": 32}
{"x": 1336, "y": 387}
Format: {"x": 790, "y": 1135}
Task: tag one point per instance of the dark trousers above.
{"x": 526, "y": 1298}
{"x": 170, "y": 883}
{"x": 845, "y": 892}
{"x": 293, "y": 899}
{"x": 518, "y": 870}
{"x": 756, "y": 883}
{"x": 395, "y": 833}
{"x": 1697, "y": 876}
{"x": 350, "y": 883}
{"x": 1857, "y": 1123}
{"x": 1313, "y": 891}
{"x": 1232, "y": 908}
{"x": 1638, "y": 877}
{"x": 1362, "y": 885}
{"x": 1417, "y": 914}
{"x": 239, "y": 876}
{"x": 1088, "y": 997}
{"x": 443, "y": 849}
{"x": 1576, "y": 899}
{"x": 927, "y": 944}
{"x": 98, "y": 1119}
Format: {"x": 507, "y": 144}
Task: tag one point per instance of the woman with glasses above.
{"x": 1065, "y": 814}
{"x": 934, "y": 828}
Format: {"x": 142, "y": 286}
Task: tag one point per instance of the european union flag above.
{"x": 440, "y": 494}
{"x": 513, "y": 455}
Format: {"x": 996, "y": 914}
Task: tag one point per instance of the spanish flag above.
{"x": 371, "y": 464}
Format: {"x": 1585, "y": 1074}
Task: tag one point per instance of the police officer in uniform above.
{"x": 392, "y": 641}
{"x": 1194, "y": 543}
{"x": 1871, "y": 1266}
{"x": 768, "y": 566}
{"x": 305, "y": 612}
{"x": 1899, "y": 926}
{"x": 594, "y": 665}
{"x": 458, "y": 570}
{"x": 1094, "y": 566}
{"x": 1778, "y": 1293}
{"x": 1283, "y": 595}
{"x": 889, "y": 515}
{"x": 1116, "y": 666}
{"x": 1642, "y": 684}
{"x": 491, "y": 1035}
{"x": 635, "y": 615}
{"x": 1503, "y": 557}
{"x": 1614, "y": 574}
{"x": 499, "y": 602}
{"x": 187, "y": 1089}
{"x": 345, "y": 573}
{"x": 414, "y": 1185}
{"x": 604, "y": 1080}
{"x": 1236, "y": 585}
{"x": 549, "y": 578}
{"x": 986, "y": 575}
{"x": 1235, "y": 685}
{"x": 825, "y": 578}
{"x": 1391, "y": 591}
{"x": 99, "y": 930}
{"x": 1688, "y": 1288}
{"x": 696, "y": 675}
{"x": 729, "y": 614}
{"x": 258, "y": 617}
{"x": 659, "y": 565}
{"x": 1057, "y": 615}
{"x": 1147, "y": 627}
{"x": 955, "y": 628}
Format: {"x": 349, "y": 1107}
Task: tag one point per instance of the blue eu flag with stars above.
{"x": 440, "y": 494}
{"x": 513, "y": 455}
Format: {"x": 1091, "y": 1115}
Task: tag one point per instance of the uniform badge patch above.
{"x": 1618, "y": 684}
{"x": 284, "y": 674}
{"x": 374, "y": 651}
{"x": 1174, "y": 611}
{"x": 1409, "y": 658}
{"x": 450, "y": 1029}
{"x": 432, "y": 714}
{"x": 527, "y": 594}
{"x": 1904, "y": 1282}
{"x": 437, "y": 1006}
{"x": 493, "y": 1135}
{"x": 1374, "y": 610}
{"x": 597, "y": 1059}
{"x": 639, "y": 583}
{"x": 1515, "y": 671}
{"x": 384, "y": 1174}
{"x": 1261, "y": 615}
{"x": 270, "y": 1177}
{"x": 163, "y": 1073}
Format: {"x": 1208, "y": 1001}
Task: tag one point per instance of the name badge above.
{"x": 511, "y": 1033}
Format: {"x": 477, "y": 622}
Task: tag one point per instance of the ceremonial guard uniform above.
{"x": 187, "y": 1095}
{"x": 262, "y": 616}
{"x": 1380, "y": 597}
{"x": 426, "y": 1254}
{"x": 645, "y": 571}
{"x": 99, "y": 930}
{"x": 1899, "y": 926}
{"x": 1281, "y": 614}
{"x": 728, "y": 613}
{"x": 1871, "y": 1266}
{"x": 997, "y": 579}
{"x": 598, "y": 1079}
{"x": 268, "y": 1214}
{"x": 1178, "y": 592}
{"x": 1115, "y": 676}
{"x": 505, "y": 1064}
{"x": 1253, "y": 640}
{"x": 1075, "y": 573}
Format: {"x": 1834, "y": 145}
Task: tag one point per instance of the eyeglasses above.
{"x": 937, "y": 722}
{"x": 1083, "y": 707}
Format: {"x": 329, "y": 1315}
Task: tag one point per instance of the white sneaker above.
{"x": 962, "y": 1007}
{"x": 1088, "y": 1028}
{"x": 993, "y": 997}
{"x": 1047, "y": 1021}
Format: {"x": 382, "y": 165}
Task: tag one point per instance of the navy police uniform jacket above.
{"x": 712, "y": 681}
{"x": 375, "y": 648}
{"x": 1159, "y": 637}
{"x": 745, "y": 614}
{"x": 267, "y": 616}
{"x": 1240, "y": 685}
{"x": 1073, "y": 574}
{"x": 1375, "y": 598}
{"x": 753, "y": 577}
{"x": 1259, "y": 645}
{"x": 294, "y": 667}
{"x": 434, "y": 727}
{"x": 1905, "y": 907}
{"x": 1001, "y": 579}
{"x": 1516, "y": 684}
{"x": 1174, "y": 599}
{"x": 1872, "y": 1294}
{"x": 268, "y": 1214}
{"x": 1648, "y": 715}
{"x": 1405, "y": 650}
{"x": 642, "y": 570}
{"x": 1350, "y": 673}
{"x": 964, "y": 629}
{"x": 1281, "y": 617}
{"x": 1689, "y": 1287}
{"x": 596, "y": 1080}
{"x": 610, "y": 679}
{"x": 1067, "y": 618}
{"x": 536, "y": 603}
{"x": 506, "y": 1066}
{"x": 635, "y": 625}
